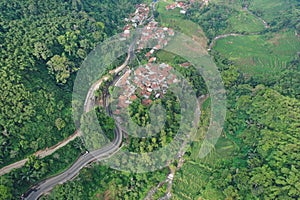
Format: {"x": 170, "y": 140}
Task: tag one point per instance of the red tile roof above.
{"x": 146, "y": 102}
{"x": 152, "y": 59}
{"x": 186, "y": 64}
{"x": 133, "y": 97}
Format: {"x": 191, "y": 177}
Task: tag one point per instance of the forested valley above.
{"x": 42, "y": 45}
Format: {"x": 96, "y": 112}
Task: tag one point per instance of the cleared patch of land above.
{"x": 196, "y": 174}
{"x": 260, "y": 55}
{"x": 195, "y": 178}
{"x": 243, "y": 21}
{"x": 173, "y": 19}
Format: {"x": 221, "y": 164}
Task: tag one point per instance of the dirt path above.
{"x": 261, "y": 19}
{"x": 40, "y": 154}
{"x": 154, "y": 190}
{"x": 213, "y": 42}
{"x": 88, "y": 105}
{"x": 181, "y": 160}
{"x": 170, "y": 178}
{"x": 51, "y": 150}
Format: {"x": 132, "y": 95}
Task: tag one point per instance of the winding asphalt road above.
{"x": 46, "y": 186}
{"x": 111, "y": 148}
{"x": 87, "y": 158}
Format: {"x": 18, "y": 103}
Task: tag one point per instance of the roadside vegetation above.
{"x": 42, "y": 46}
{"x": 101, "y": 182}
{"x": 20, "y": 180}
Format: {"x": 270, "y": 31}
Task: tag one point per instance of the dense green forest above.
{"x": 140, "y": 115}
{"x": 257, "y": 158}
{"x": 42, "y": 46}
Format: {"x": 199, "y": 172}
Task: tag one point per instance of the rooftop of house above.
{"x": 186, "y": 64}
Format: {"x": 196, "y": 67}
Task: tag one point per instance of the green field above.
{"x": 243, "y": 21}
{"x": 230, "y": 3}
{"x": 194, "y": 180}
{"x": 259, "y": 55}
{"x": 270, "y": 9}
{"x": 262, "y": 57}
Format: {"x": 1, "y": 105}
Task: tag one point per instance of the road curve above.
{"x": 105, "y": 152}
{"x": 82, "y": 161}
{"x": 47, "y": 185}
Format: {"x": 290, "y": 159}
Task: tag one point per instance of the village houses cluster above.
{"x": 142, "y": 11}
{"x": 154, "y": 37}
{"x": 183, "y": 6}
{"x": 152, "y": 80}
{"x": 137, "y": 18}
{"x": 150, "y": 33}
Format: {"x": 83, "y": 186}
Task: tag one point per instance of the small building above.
{"x": 169, "y": 195}
{"x": 180, "y": 4}
{"x": 171, "y": 32}
{"x": 186, "y": 64}
{"x": 170, "y": 176}
{"x": 153, "y": 59}
{"x": 157, "y": 47}
{"x": 133, "y": 97}
{"x": 155, "y": 86}
{"x": 146, "y": 102}
{"x": 117, "y": 112}
{"x": 183, "y": 12}
{"x": 145, "y": 33}
{"x": 149, "y": 89}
